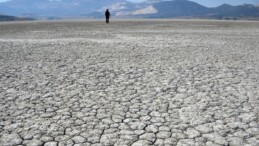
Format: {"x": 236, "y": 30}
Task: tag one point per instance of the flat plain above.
{"x": 130, "y": 82}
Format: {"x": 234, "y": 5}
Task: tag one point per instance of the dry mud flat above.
{"x": 129, "y": 83}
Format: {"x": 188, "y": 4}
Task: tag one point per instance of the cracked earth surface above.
{"x": 132, "y": 83}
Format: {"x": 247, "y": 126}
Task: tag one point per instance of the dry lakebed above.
{"x": 129, "y": 83}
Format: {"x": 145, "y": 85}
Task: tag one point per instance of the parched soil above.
{"x": 129, "y": 83}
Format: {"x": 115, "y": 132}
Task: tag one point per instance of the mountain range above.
{"x": 53, "y": 9}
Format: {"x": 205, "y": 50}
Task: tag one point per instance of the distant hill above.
{"x": 184, "y": 8}
{"x": 58, "y": 9}
{"x": 178, "y": 8}
{"x": 237, "y": 11}
{"x": 12, "y": 18}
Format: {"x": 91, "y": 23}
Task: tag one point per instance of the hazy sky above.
{"x": 210, "y": 3}
{"x": 217, "y": 2}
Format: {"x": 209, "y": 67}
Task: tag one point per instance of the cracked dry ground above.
{"x": 128, "y": 83}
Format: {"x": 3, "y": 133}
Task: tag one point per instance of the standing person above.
{"x": 107, "y": 15}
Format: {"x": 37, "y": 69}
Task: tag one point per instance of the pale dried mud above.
{"x": 136, "y": 82}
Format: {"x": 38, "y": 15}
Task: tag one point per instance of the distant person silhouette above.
{"x": 107, "y": 15}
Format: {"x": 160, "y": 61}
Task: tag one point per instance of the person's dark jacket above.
{"x": 107, "y": 14}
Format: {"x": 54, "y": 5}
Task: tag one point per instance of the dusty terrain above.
{"x": 129, "y": 83}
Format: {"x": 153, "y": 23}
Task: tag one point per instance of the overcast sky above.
{"x": 211, "y": 3}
